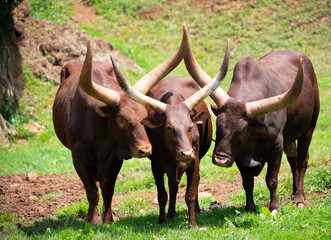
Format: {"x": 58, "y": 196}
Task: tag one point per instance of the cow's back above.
{"x": 73, "y": 109}
{"x": 303, "y": 113}
{"x": 63, "y": 98}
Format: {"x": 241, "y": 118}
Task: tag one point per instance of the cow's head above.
{"x": 124, "y": 122}
{"x": 178, "y": 122}
{"x": 124, "y": 114}
{"x": 236, "y": 119}
{"x": 179, "y": 127}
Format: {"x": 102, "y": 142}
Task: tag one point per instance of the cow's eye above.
{"x": 122, "y": 122}
{"x": 169, "y": 128}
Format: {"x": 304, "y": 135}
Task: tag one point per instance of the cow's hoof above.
{"x": 192, "y": 226}
{"x": 300, "y": 205}
{"x": 94, "y": 221}
{"x": 162, "y": 222}
{"x": 171, "y": 216}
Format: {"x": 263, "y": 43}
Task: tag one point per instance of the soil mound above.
{"x": 47, "y": 47}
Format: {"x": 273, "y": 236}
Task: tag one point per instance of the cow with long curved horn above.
{"x": 101, "y": 126}
{"x": 271, "y": 104}
{"x": 180, "y": 131}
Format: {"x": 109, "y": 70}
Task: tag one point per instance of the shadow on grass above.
{"x": 40, "y": 227}
{"x": 147, "y": 223}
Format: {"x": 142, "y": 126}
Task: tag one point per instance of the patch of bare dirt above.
{"x": 208, "y": 6}
{"x": 150, "y": 13}
{"x": 46, "y": 47}
{"x": 33, "y": 197}
{"x": 84, "y": 13}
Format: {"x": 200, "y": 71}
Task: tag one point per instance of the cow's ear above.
{"x": 103, "y": 111}
{"x": 214, "y": 109}
{"x": 200, "y": 118}
{"x": 151, "y": 122}
{"x": 259, "y": 126}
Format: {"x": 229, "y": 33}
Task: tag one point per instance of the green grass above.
{"x": 268, "y": 26}
{"x": 59, "y": 12}
{"x": 225, "y": 223}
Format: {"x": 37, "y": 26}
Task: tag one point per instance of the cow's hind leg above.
{"x": 299, "y": 166}
{"x": 91, "y": 189}
{"x": 291, "y": 153}
{"x": 107, "y": 187}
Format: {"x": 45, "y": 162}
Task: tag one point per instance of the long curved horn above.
{"x": 149, "y": 102}
{"x": 145, "y": 84}
{"x": 202, "y": 78}
{"x": 101, "y": 93}
{"x": 209, "y": 88}
{"x": 275, "y": 103}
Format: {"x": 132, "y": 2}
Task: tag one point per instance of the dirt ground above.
{"x": 34, "y": 197}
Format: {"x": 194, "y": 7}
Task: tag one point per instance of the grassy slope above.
{"x": 253, "y": 31}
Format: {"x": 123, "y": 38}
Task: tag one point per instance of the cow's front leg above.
{"x": 107, "y": 187}
{"x": 162, "y": 196}
{"x": 192, "y": 193}
{"x": 173, "y": 190}
{"x": 272, "y": 179}
{"x": 91, "y": 189}
{"x": 248, "y": 184}
{"x": 197, "y": 206}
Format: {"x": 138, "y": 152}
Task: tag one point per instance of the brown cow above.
{"x": 95, "y": 119}
{"x": 180, "y": 131}
{"x": 256, "y": 121}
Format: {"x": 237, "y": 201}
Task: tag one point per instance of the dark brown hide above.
{"x": 262, "y": 139}
{"x": 179, "y": 138}
{"x": 98, "y": 135}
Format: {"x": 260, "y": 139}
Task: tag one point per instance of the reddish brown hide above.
{"x": 272, "y": 105}
{"x": 180, "y": 130}
{"x": 101, "y": 126}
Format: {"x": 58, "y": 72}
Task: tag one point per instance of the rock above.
{"x": 31, "y": 177}
{"x": 33, "y": 198}
{"x": 205, "y": 195}
{"x": 23, "y": 10}
{"x": 35, "y": 128}
{"x": 215, "y": 204}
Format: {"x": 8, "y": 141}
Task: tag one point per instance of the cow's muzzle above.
{"x": 142, "y": 151}
{"x": 222, "y": 160}
{"x": 185, "y": 156}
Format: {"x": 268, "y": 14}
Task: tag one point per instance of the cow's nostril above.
{"x": 141, "y": 152}
{"x": 145, "y": 151}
